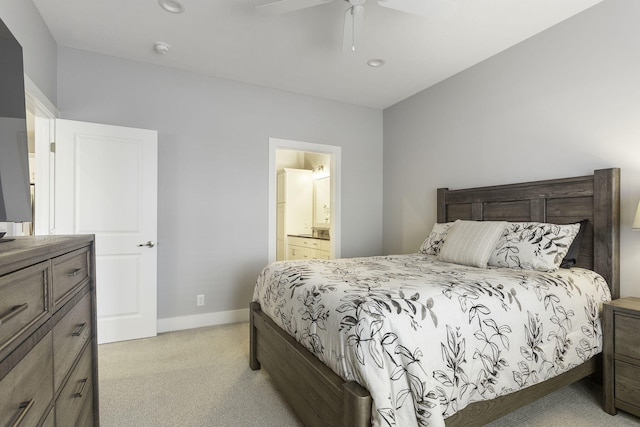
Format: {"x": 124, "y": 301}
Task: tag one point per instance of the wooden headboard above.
{"x": 559, "y": 201}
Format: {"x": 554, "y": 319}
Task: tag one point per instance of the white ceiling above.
{"x": 302, "y": 51}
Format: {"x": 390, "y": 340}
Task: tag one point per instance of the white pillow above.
{"x": 533, "y": 245}
{"x": 471, "y": 242}
{"x": 435, "y": 239}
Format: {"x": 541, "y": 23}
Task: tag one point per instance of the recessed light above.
{"x": 161, "y": 47}
{"x": 172, "y": 6}
{"x": 375, "y": 63}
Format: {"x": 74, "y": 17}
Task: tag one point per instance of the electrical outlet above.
{"x": 200, "y": 300}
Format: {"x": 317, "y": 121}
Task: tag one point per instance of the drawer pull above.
{"x": 82, "y": 386}
{"x": 75, "y": 272}
{"x": 13, "y": 312}
{"x": 24, "y": 408}
{"x": 78, "y": 330}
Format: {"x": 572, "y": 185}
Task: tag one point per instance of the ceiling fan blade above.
{"x": 285, "y": 6}
{"x": 353, "y": 20}
{"x": 431, "y": 8}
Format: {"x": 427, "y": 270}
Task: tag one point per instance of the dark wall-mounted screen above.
{"x": 15, "y": 197}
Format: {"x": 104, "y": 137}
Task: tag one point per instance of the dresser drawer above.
{"x": 627, "y": 379}
{"x": 322, "y": 255}
{"x": 296, "y": 241}
{"x": 24, "y": 303}
{"x": 323, "y": 245}
{"x": 69, "y": 336}
{"x": 627, "y": 342}
{"x": 307, "y": 242}
{"x": 76, "y": 391}
{"x": 27, "y": 390}
{"x": 50, "y": 421}
{"x": 298, "y": 252}
{"x": 69, "y": 271}
{"x": 85, "y": 419}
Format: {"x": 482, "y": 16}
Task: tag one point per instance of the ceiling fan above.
{"x": 354, "y": 15}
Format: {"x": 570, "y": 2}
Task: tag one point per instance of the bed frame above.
{"x": 322, "y": 398}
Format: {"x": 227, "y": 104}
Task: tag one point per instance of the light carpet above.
{"x": 201, "y": 378}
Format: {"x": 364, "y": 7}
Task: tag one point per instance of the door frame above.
{"x": 335, "y": 152}
{"x": 45, "y": 114}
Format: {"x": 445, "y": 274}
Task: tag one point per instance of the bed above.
{"x": 321, "y": 397}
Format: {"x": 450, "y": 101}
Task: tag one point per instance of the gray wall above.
{"x": 213, "y": 167}
{"x": 38, "y": 46}
{"x": 560, "y": 104}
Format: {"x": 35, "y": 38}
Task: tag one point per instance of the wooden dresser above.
{"x": 48, "y": 346}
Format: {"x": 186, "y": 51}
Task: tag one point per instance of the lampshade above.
{"x": 636, "y": 220}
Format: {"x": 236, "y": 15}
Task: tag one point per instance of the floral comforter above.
{"x": 426, "y": 338}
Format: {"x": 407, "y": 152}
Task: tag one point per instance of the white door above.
{"x": 106, "y": 184}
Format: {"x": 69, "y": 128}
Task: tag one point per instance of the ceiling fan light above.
{"x": 375, "y": 62}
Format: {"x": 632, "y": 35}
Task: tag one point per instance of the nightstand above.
{"x": 621, "y": 355}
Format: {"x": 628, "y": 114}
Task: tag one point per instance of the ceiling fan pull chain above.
{"x": 353, "y": 25}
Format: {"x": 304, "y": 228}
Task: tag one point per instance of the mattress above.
{"x": 426, "y": 337}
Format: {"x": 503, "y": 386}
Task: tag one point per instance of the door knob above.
{"x": 149, "y": 244}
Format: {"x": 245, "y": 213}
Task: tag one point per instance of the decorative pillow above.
{"x": 471, "y": 242}
{"x": 435, "y": 239}
{"x": 571, "y": 258}
{"x": 533, "y": 245}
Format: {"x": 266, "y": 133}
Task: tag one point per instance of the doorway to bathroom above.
{"x": 304, "y": 200}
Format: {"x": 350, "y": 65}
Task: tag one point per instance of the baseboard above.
{"x": 200, "y": 320}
